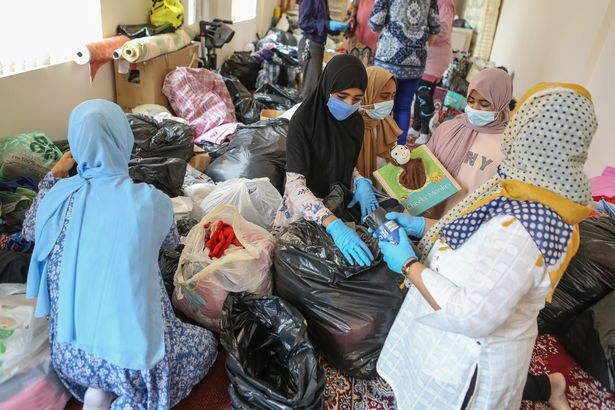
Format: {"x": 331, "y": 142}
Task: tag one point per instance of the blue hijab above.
{"x": 109, "y": 302}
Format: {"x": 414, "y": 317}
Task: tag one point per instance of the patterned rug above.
{"x": 345, "y": 393}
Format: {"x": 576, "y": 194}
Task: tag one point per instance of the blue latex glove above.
{"x": 396, "y": 256}
{"x": 414, "y": 225}
{"x": 354, "y": 249}
{"x": 337, "y": 26}
{"x": 364, "y": 195}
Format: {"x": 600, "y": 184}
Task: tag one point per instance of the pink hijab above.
{"x": 453, "y": 138}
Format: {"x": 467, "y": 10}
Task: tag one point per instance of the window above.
{"x": 243, "y": 10}
{"x": 39, "y": 33}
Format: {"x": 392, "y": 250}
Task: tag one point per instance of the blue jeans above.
{"x": 403, "y": 102}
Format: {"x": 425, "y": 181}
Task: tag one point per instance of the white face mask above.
{"x": 480, "y": 118}
{"x": 381, "y": 110}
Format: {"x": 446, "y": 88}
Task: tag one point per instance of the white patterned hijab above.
{"x": 545, "y": 145}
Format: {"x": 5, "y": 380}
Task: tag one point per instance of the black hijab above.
{"x": 319, "y": 147}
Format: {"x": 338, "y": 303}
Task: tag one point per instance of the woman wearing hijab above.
{"x": 469, "y": 145}
{"x": 468, "y": 325}
{"x": 381, "y": 130}
{"x": 95, "y": 272}
{"x": 323, "y": 144}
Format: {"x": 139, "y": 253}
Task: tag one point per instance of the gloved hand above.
{"x": 337, "y": 26}
{"x": 396, "y": 256}
{"x": 364, "y": 195}
{"x": 354, "y": 249}
{"x": 414, "y": 225}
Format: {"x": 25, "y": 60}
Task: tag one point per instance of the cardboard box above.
{"x": 200, "y": 161}
{"x": 270, "y": 114}
{"x": 143, "y": 83}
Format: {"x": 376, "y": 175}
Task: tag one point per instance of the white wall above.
{"x": 563, "y": 41}
{"x": 245, "y": 31}
{"x": 41, "y": 100}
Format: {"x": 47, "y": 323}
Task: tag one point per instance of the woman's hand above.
{"x": 353, "y": 248}
{"x": 413, "y": 225}
{"x": 65, "y": 164}
{"x": 396, "y": 255}
{"x": 364, "y": 195}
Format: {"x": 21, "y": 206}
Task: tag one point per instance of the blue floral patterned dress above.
{"x": 190, "y": 350}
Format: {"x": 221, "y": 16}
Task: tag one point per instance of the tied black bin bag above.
{"x": 255, "y": 151}
{"x": 241, "y": 66}
{"x": 166, "y": 174}
{"x": 590, "y": 275}
{"x": 247, "y": 109}
{"x": 270, "y": 362}
{"x": 167, "y": 138}
{"x": 349, "y": 309}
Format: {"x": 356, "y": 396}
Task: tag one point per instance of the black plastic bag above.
{"x": 590, "y": 340}
{"x": 166, "y": 174}
{"x": 143, "y": 30}
{"x": 589, "y": 277}
{"x": 254, "y": 152}
{"x": 340, "y": 196}
{"x": 167, "y": 138}
{"x": 247, "y": 109}
{"x": 214, "y": 150}
{"x": 14, "y": 266}
{"x": 168, "y": 259}
{"x": 349, "y": 309}
{"x": 271, "y": 363}
{"x": 277, "y": 98}
{"x": 240, "y": 65}
{"x": 185, "y": 225}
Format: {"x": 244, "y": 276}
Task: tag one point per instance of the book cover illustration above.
{"x": 420, "y": 184}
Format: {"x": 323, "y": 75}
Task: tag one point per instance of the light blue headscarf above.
{"x": 109, "y": 302}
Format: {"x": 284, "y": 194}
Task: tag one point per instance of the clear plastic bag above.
{"x": 202, "y": 283}
{"x": 256, "y": 199}
{"x": 24, "y": 339}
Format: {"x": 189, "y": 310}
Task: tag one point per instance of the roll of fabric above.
{"x": 98, "y": 53}
{"x": 142, "y": 49}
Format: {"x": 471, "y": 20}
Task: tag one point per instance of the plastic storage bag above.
{"x": 247, "y": 109}
{"x": 590, "y": 275}
{"x": 254, "y": 152}
{"x": 31, "y": 155}
{"x": 271, "y": 363}
{"x": 165, "y": 12}
{"x": 590, "y": 340}
{"x": 202, "y": 283}
{"x": 256, "y": 199}
{"x": 39, "y": 389}
{"x": 240, "y": 65}
{"x": 167, "y": 138}
{"x": 277, "y": 98}
{"x": 23, "y": 338}
{"x": 349, "y": 309}
{"x": 166, "y": 174}
{"x": 168, "y": 260}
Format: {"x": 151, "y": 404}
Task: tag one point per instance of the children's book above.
{"x": 439, "y": 184}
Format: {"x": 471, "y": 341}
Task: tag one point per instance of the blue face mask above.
{"x": 381, "y": 110}
{"x": 480, "y": 118}
{"x": 339, "y": 109}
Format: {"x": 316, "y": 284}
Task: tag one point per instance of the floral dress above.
{"x": 299, "y": 202}
{"x": 190, "y": 350}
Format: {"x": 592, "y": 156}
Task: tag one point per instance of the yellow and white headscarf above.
{"x": 545, "y": 149}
